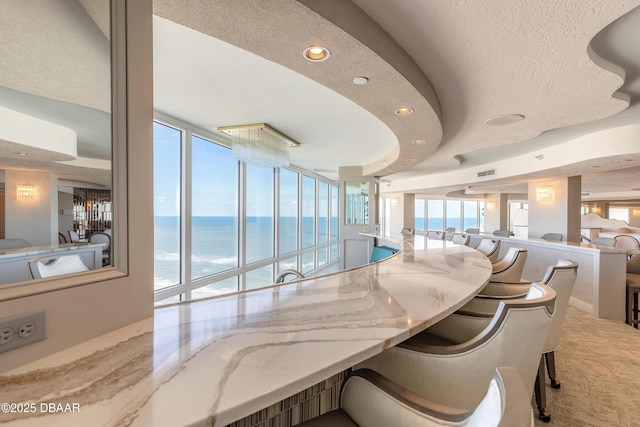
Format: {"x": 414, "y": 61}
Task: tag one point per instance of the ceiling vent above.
{"x": 489, "y": 172}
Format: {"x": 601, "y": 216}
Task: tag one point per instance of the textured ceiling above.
{"x": 568, "y": 66}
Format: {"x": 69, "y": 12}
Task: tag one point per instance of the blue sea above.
{"x": 438, "y": 223}
{"x": 215, "y": 246}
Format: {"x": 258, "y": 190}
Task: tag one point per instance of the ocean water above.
{"x": 215, "y": 246}
{"x": 438, "y": 223}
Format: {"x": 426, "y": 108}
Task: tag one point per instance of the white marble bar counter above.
{"x": 212, "y": 362}
{"x": 14, "y": 263}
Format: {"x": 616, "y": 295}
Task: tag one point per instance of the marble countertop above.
{"x": 215, "y": 361}
{"x": 44, "y": 249}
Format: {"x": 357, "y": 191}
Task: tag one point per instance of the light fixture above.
{"x": 403, "y": 111}
{"x": 596, "y": 209}
{"x": 636, "y": 212}
{"x": 316, "y": 53}
{"x": 545, "y": 193}
{"x": 259, "y": 144}
{"x": 25, "y": 192}
{"x": 418, "y": 141}
{"x": 360, "y": 80}
{"x": 411, "y": 159}
{"x": 491, "y": 205}
{"x": 22, "y": 154}
{"x": 504, "y": 120}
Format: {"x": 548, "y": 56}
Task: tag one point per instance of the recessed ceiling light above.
{"x": 403, "y": 111}
{"x": 400, "y": 166}
{"x": 595, "y": 166}
{"x": 411, "y": 159}
{"x": 23, "y": 154}
{"x": 316, "y": 53}
{"x": 418, "y": 141}
{"x": 624, "y": 160}
{"x": 503, "y": 120}
{"x": 389, "y": 170}
{"x": 360, "y": 80}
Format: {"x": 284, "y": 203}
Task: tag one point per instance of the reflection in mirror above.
{"x": 55, "y": 138}
{"x": 357, "y": 203}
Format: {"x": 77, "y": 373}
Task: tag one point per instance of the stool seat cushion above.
{"x": 633, "y": 281}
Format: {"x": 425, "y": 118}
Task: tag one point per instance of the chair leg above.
{"x": 551, "y": 369}
{"x": 541, "y": 397}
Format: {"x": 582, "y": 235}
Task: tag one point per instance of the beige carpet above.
{"x": 598, "y": 364}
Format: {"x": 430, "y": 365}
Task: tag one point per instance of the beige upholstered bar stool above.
{"x": 489, "y": 247}
{"x": 633, "y": 289}
{"x": 453, "y": 361}
{"x": 370, "y": 400}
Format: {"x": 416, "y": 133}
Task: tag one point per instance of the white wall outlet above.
{"x": 22, "y": 329}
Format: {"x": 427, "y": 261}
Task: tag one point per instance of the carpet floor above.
{"x": 598, "y": 364}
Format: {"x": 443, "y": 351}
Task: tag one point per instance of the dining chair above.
{"x": 490, "y": 248}
{"x": 472, "y": 231}
{"x": 105, "y": 239}
{"x": 604, "y": 241}
{"x": 49, "y": 266}
{"x": 552, "y": 237}
{"x": 369, "y": 399}
{"x": 460, "y": 239}
{"x": 626, "y": 242}
{"x": 73, "y": 236}
{"x": 561, "y": 278}
{"x": 453, "y": 361}
{"x": 502, "y": 233}
{"x": 435, "y": 235}
{"x": 61, "y": 238}
{"x": 509, "y": 268}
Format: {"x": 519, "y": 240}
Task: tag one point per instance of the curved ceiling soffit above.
{"x": 584, "y": 87}
{"x": 394, "y": 79}
{"x": 621, "y": 141}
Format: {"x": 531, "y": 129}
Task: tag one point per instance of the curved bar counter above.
{"x": 212, "y": 362}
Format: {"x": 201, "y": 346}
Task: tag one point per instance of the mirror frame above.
{"x": 119, "y": 126}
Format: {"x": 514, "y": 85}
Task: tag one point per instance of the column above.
{"x": 36, "y": 219}
{"x": 554, "y": 207}
{"x": 496, "y": 212}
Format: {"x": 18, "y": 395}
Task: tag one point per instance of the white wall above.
{"x": 34, "y": 220}
{"x": 125, "y": 295}
{"x": 65, "y": 215}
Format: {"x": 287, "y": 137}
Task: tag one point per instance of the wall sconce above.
{"x": 636, "y": 212}
{"x": 26, "y": 192}
{"x": 545, "y": 193}
{"x": 491, "y": 205}
{"x": 596, "y": 210}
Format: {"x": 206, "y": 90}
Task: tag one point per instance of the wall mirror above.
{"x": 56, "y": 201}
{"x": 357, "y": 202}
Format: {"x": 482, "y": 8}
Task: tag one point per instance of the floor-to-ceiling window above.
{"x": 223, "y": 225}
{"x": 167, "y": 194}
{"x": 436, "y": 214}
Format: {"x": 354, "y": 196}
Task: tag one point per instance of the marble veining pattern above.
{"x": 215, "y": 361}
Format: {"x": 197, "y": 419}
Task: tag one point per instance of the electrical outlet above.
{"x": 22, "y": 329}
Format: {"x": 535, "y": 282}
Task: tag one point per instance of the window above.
{"x": 288, "y": 211}
{"x": 419, "y": 214}
{"x": 214, "y": 209}
{"x": 222, "y": 225}
{"x": 323, "y": 212}
{"x": 260, "y": 218}
{"x": 335, "y": 227}
{"x": 470, "y": 214}
{"x": 435, "y": 215}
{"x": 454, "y": 214}
{"x": 166, "y": 205}
{"x": 308, "y": 211}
